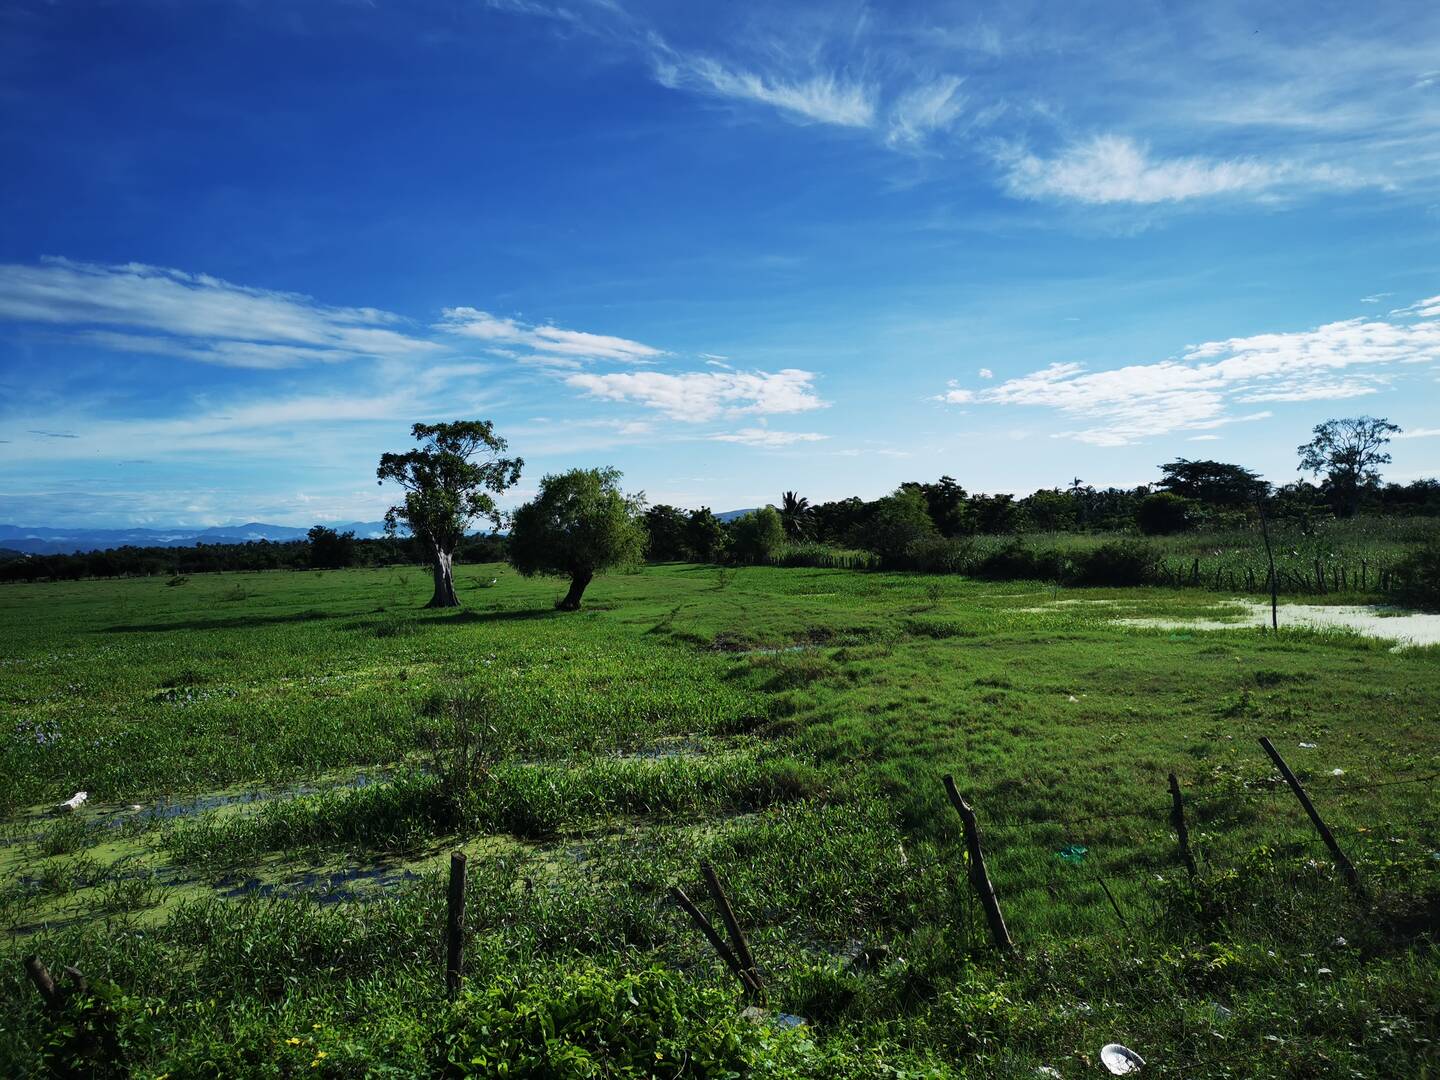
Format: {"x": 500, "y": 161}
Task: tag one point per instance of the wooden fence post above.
{"x": 1177, "y": 817}
{"x": 1347, "y": 868}
{"x": 978, "y": 877}
{"x": 1274, "y": 584}
{"x": 455, "y": 924}
{"x": 732, "y": 925}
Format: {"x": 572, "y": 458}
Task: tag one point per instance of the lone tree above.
{"x": 449, "y": 482}
{"x": 331, "y": 550}
{"x": 1349, "y": 453}
{"x": 1215, "y": 482}
{"x": 577, "y": 526}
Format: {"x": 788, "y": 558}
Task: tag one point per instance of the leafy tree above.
{"x": 1349, "y": 452}
{"x": 1165, "y": 512}
{"x": 1049, "y": 509}
{"x": 898, "y": 521}
{"x": 995, "y": 513}
{"x": 795, "y": 516}
{"x": 757, "y": 535}
{"x": 666, "y": 527}
{"x": 705, "y": 536}
{"x": 836, "y": 522}
{"x": 579, "y": 525}
{"x": 330, "y": 550}
{"x": 945, "y": 500}
{"x": 449, "y": 482}
{"x": 1213, "y": 482}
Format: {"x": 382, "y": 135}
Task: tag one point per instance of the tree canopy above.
{"x": 451, "y": 479}
{"x": 1349, "y": 452}
{"x": 579, "y": 524}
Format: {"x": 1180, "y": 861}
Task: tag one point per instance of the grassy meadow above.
{"x": 278, "y": 765}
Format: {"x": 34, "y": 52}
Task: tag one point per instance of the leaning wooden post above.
{"x": 1347, "y": 868}
{"x": 747, "y": 981}
{"x": 1270, "y": 557}
{"x": 1177, "y": 817}
{"x": 978, "y": 877}
{"x": 455, "y": 924}
{"x": 732, "y": 925}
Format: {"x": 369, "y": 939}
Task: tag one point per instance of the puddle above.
{"x": 1406, "y": 628}
{"x": 347, "y": 885}
{"x": 675, "y": 746}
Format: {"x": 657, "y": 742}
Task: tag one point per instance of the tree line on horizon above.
{"x": 581, "y": 523}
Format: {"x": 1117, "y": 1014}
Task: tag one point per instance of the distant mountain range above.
{"x": 50, "y": 541}
{"x": 44, "y": 541}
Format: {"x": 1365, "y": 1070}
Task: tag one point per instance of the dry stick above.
{"x": 1274, "y": 584}
{"x": 1347, "y": 868}
{"x": 1177, "y": 816}
{"x": 706, "y": 928}
{"x": 43, "y": 982}
{"x": 978, "y": 877}
{"x": 455, "y": 923}
{"x": 1111, "y": 897}
{"x": 732, "y": 925}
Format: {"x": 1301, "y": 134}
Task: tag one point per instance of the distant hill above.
{"x": 52, "y": 541}
{"x": 731, "y": 515}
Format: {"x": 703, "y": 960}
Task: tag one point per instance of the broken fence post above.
{"x": 732, "y": 925}
{"x": 1177, "y": 818}
{"x": 455, "y": 924}
{"x": 978, "y": 877}
{"x": 717, "y": 943}
{"x": 44, "y": 984}
{"x": 1347, "y": 868}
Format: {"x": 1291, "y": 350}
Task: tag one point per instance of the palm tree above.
{"x": 795, "y": 515}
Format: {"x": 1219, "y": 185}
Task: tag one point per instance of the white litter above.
{"x": 1337, "y": 772}
{"x": 1307, "y": 746}
{"x": 70, "y": 805}
{"x": 1048, "y": 1070}
{"x": 1120, "y": 1060}
{"x": 1340, "y": 943}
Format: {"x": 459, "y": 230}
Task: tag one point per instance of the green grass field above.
{"x": 293, "y": 742}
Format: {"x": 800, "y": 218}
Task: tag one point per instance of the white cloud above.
{"x": 986, "y": 373}
{"x": 197, "y": 317}
{"x": 1197, "y": 391}
{"x": 1203, "y": 438}
{"x": 767, "y": 439}
{"x": 1117, "y": 169}
{"x": 1375, "y": 298}
{"x": 551, "y": 344}
{"x": 704, "y": 395}
{"x": 823, "y": 97}
{"x": 927, "y": 108}
{"x": 1417, "y": 433}
{"x": 1424, "y": 309}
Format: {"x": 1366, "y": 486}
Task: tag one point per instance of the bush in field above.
{"x": 1419, "y": 577}
{"x": 939, "y": 555}
{"x": 1118, "y": 562}
{"x": 1165, "y": 512}
{"x": 1018, "y": 561}
{"x": 757, "y": 536}
{"x": 898, "y": 521}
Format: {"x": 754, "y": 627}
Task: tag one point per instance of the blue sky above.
{"x": 730, "y": 249}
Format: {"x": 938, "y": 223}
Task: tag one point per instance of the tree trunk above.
{"x": 444, "y": 580}
{"x": 578, "y": 580}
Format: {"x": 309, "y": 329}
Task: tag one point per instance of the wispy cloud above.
{"x": 1117, "y": 169}
{"x": 820, "y": 97}
{"x": 919, "y": 112}
{"x": 548, "y": 343}
{"x": 704, "y": 395}
{"x": 1418, "y": 433}
{"x": 1198, "y": 390}
{"x": 196, "y": 316}
{"x": 766, "y": 439}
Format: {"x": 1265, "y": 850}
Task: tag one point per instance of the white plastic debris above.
{"x": 1120, "y": 1060}
{"x": 136, "y": 806}
{"x": 1047, "y": 1070}
{"x": 70, "y": 805}
{"x": 1074, "y": 698}
{"x": 1323, "y": 971}
{"x": 1221, "y": 1013}
{"x": 1340, "y": 943}
{"x": 1337, "y": 772}
{"x": 1307, "y": 746}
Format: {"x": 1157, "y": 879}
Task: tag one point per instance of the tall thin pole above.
{"x": 1347, "y": 868}
{"x": 1270, "y": 557}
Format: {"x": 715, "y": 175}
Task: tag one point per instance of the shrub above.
{"x": 1419, "y": 576}
{"x": 1118, "y": 562}
{"x": 898, "y": 522}
{"x": 1018, "y": 561}
{"x": 941, "y": 555}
